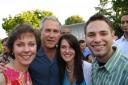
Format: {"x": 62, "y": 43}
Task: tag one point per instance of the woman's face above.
{"x": 67, "y": 52}
{"x": 24, "y": 48}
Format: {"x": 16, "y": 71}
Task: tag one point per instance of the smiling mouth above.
{"x": 26, "y": 56}
{"x": 97, "y": 46}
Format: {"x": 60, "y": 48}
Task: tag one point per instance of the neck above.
{"x": 50, "y": 52}
{"x": 105, "y": 58}
{"x": 70, "y": 72}
{"x": 19, "y": 67}
{"x": 126, "y": 35}
{"x": 70, "y": 66}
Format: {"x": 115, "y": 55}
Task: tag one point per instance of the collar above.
{"x": 111, "y": 63}
{"x": 123, "y": 38}
{"x": 40, "y": 52}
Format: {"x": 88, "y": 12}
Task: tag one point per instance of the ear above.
{"x": 113, "y": 35}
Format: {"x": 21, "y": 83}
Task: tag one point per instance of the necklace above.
{"x": 68, "y": 70}
{"x": 23, "y": 77}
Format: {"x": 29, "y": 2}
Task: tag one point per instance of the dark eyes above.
{"x": 49, "y": 30}
{"x": 22, "y": 44}
{"x": 63, "y": 46}
{"x": 32, "y": 44}
{"x": 19, "y": 45}
{"x": 123, "y": 22}
{"x": 94, "y": 34}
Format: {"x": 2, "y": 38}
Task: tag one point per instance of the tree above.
{"x": 0, "y": 47}
{"x": 32, "y": 17}
{"x": 113, "y": 9}
{"x": 74, "y": 19}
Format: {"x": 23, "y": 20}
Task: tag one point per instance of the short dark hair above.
{"x": 16, "y": 33}
{"x": 98, "y": 16}
{"x": 81, "y": 41}
{"x": 78, "y": 72}
{"x": 4, "y": 40}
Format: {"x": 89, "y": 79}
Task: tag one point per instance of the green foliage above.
{"x": 114, "y": 13}
{"x": 32, "y": 17}
{"x": 74, "y": 19}
{"x": 0, "y": 47}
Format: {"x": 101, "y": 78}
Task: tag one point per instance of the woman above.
{"x": 70, "y": 62}
{"x": 22, "y": 44}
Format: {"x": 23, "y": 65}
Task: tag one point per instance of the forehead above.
{"x": 96, "y": 26}
{"x": 51, "y": 24}
{"x": 124, "y": 18}
{"x": 64, "y": 42}
{"x": 26, "y": 35}
{"x": 66, "y": 30}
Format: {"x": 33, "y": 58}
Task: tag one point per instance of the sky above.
{"x": 60, "y": 8}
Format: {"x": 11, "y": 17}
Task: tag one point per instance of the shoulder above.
{"x": 117, "y": 42}
{"x": 87, "y": 65}
{"x": 2, "y": 79}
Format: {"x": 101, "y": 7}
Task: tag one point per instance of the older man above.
{"x": 44, "y": 69}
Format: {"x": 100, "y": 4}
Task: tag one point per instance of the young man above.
{"x": 122, "y": 43}
{"x": 110, "y": 67}
{"x": 44, "y": 69}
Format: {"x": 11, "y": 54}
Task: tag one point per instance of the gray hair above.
{"x": 53, "y": 18}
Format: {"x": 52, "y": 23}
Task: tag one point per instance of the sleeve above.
{"x": 2, "y": 79}
{"x": 87, "y": 72}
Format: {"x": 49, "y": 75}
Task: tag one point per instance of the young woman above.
{"x": 73, "y": 71}
{"x": 22, "y": 44}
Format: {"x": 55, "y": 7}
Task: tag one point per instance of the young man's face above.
{"x": 99, "y": 38}
{"x": 50, "y": 34}
{"x": 124, "y": 23}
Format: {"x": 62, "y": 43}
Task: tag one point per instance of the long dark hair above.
{"x": 78, "y": 71}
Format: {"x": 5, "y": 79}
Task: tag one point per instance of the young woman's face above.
{"x": 67, "y": 52}
{"x": 24, "y": 48}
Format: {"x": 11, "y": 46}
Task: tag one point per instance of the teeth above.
{"x": 26, "y": 57}
{"x": 98, "y": 46}
{"x": 67, "y": 55}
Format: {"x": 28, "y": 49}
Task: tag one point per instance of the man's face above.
{"x": 5, "y": 48}
{"x": 124, "y": 23}
{"x": 99, "y": 38}
{"x": 66, "y": 31}
{"x": 82, "y": 46}
{"x": 50, "y": 34}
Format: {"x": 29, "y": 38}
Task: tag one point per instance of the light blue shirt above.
{"x": 66, "y": 82}
{"x": 87, "y": 52}
{"x": 122, "y": 45}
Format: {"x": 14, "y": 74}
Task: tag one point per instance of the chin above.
{"x": 26, "y": 63}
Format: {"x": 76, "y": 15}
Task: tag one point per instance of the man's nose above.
{"x": 97, "y": 38}
{"x": 51, "y": 34}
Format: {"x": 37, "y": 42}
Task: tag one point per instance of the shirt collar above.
{"x": 40, "y": 52}
{"x": 111, "y": 63}
{"x": 123, "y": 38}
